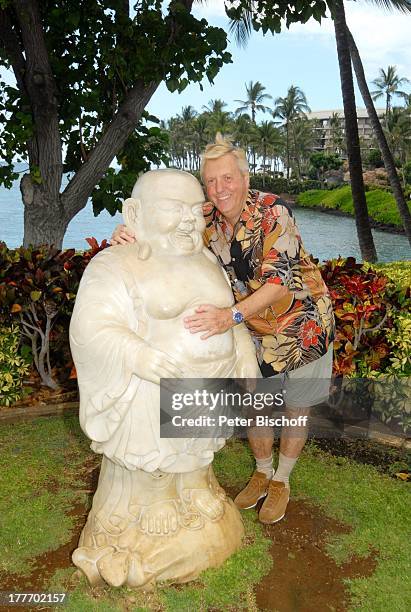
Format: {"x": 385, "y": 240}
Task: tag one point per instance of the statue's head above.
{"x": 166, "y": 212}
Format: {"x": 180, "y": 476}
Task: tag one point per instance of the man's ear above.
{"x": 131, "y": 210}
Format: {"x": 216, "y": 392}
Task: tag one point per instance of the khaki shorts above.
{"x": 308, "y": 385}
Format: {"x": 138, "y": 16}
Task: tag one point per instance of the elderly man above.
{"x": 281, "y": 297}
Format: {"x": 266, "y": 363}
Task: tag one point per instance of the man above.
{"x": 281, "y": 297}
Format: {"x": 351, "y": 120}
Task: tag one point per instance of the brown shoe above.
{"x": 273, "y": 508}
{"x": 255, "y": 490}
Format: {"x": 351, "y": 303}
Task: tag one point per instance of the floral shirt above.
{"x": 266, "y": 247}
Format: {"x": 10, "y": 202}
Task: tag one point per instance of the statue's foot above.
{"x": 111, "y": 566}
{"x": 205, "y": 502}
{"x": 160, "y": 518}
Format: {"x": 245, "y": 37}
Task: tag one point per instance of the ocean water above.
{"x": 325, "y": 236}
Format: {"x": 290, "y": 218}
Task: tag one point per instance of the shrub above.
{"x": 38, "y": 288}
{"x": 374, "y": 159}
{"x": 373, "y": 339}
{"x": 281, "y": 185}
{"x": 366, "y": 304}
{"x": 13, "y": 367}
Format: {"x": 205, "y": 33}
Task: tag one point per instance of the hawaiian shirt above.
{"x": 266, "y": 247}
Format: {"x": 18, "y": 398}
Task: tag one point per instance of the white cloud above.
{"x": 210, "y": 8}
{"x": 382, "y": 37}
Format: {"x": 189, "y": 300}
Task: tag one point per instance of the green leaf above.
{"x": 35, "y": 295}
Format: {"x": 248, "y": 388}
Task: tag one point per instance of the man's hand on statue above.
{"x": 210, "y": 319}
{"x": 154, "y": 364}
{"x": 122, "y": 235}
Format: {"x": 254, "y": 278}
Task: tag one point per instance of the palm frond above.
{"x": 403, "y": 6}
{"x": 242, "y": 27}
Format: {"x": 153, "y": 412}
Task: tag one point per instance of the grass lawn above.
{"x": 381, "y": 204}
{"x": 45, "y": 471}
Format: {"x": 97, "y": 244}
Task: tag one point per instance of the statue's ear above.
{"x": 131, "y": 209}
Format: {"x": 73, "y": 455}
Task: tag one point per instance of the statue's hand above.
{"x": 122, "y": 235}
{"x": 153, "y": 364}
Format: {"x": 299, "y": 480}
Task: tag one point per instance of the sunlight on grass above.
{"x": 42, "y": 474}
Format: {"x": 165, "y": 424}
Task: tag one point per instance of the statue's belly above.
{"x": 173, "y": 338}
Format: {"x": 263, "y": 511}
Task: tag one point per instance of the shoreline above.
{"x": 384, "y": 227}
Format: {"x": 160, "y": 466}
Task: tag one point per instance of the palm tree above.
{"x": 267, "y": 137}
{"x": 244, "y": 133}
{"x": 386, "y": 154}
{"x": 254, "y": 101}
{"x": 242, "y": 25}
{"x": 336, "y": 134}
{"x": 303, "y": 140}
{"x": 215, "y": 106}
{"x": 388, "y": 84}
{"x": 288, "y": 109}
{"x": 362, "y": 222}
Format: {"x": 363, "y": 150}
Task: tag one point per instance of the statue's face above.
{"x": 171, "y": 214}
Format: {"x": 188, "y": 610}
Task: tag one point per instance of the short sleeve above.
{"x": 281, "y": 247}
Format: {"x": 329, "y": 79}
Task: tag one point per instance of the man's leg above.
{"x": 261, "y": 442}
{"x": 292, "y": 443}
{"x": 307, "y": 386}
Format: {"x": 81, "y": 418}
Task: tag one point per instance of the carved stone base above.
{"x": 146, "y": 528}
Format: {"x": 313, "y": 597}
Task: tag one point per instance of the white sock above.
{"x": 285, "y": 466}
{"x": 265, "y": 466}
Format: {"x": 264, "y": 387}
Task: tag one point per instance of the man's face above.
{"x": 171, "y": 217}
{"x": 226, "y": 185}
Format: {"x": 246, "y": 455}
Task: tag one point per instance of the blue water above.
{"x": 324, "y": 235}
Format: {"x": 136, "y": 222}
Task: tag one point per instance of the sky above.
{"x": 305, "y": 55}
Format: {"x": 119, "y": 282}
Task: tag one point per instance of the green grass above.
{"x": 41, "y": 476}
{"x": 42, "y": 470}
{"x": 381, "y": 204}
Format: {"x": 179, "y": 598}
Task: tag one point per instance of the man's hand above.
{"x": 122, "y": 235}
{"x": 210, "y": 319}
{"x": 153, "y": 364}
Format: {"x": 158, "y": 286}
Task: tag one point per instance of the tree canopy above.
{"x": 84, "y": 73}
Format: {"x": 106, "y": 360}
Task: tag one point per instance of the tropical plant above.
{"x": 38, "y": 287}
{"x": 321, "y": 162}
{"x": 254, "y": 101}
{"x": 256, "y": 14}
{"x": 13, "y": 367}
{"x": 268, "y": 142}
{"x": 288, "y": 108}
{"x": 244, "y": 133}
{"x": 388, "y": 83}
{"x": 336, "y": 143}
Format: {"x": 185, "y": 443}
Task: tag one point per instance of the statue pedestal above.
{"x": 147, "y": 528}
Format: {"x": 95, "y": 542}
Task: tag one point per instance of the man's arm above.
{"x": 215, "y": 320}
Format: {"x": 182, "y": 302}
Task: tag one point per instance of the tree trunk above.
{"x": 380, "y": 136}
{"x": 44, "y": 221}
{"x": 288, "y": 150}
{"x": 365, "y": 238}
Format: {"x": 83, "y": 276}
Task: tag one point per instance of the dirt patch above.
{"x": 304, "y": 578}
{"x": 383, "y": 457}
{"x": 45, "y": 565}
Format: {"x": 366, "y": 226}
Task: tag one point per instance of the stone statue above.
{"x": 158, "y": 513}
